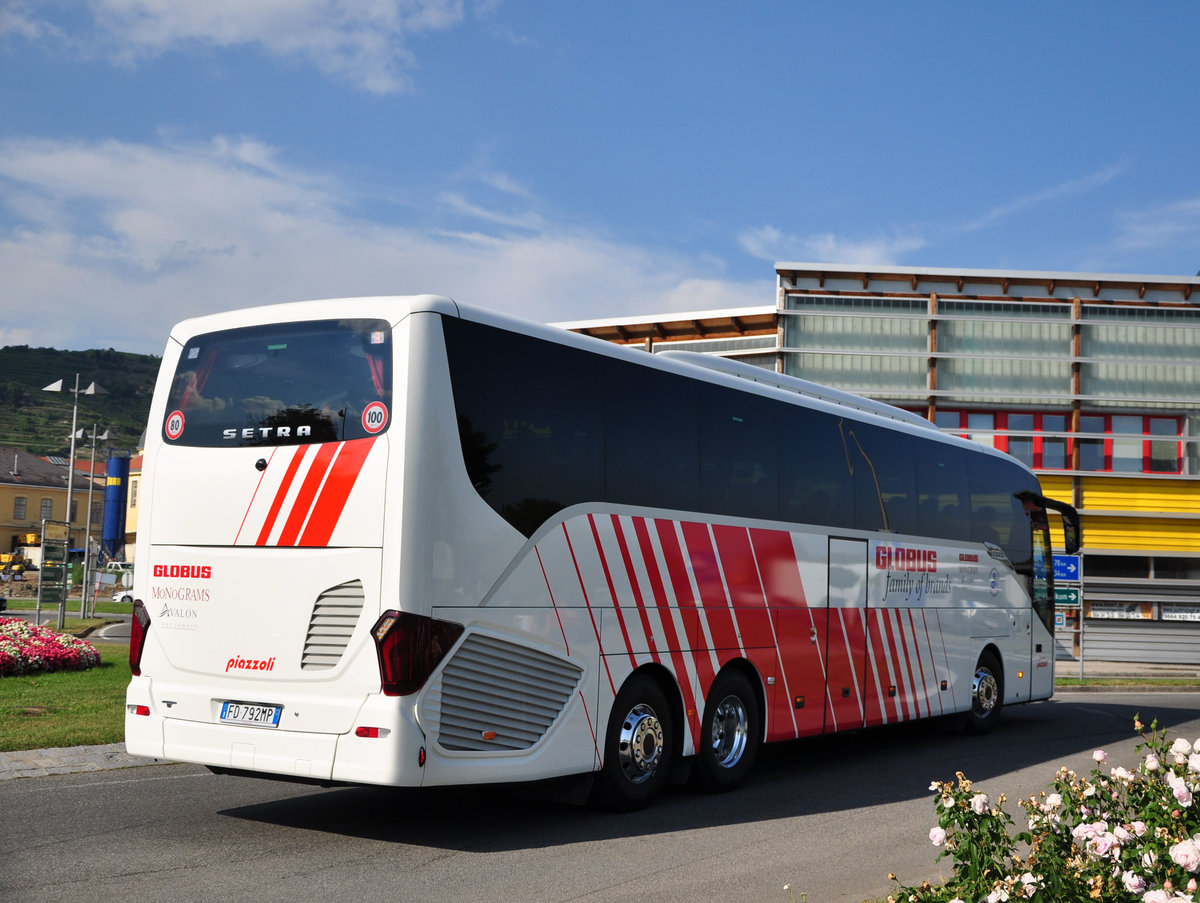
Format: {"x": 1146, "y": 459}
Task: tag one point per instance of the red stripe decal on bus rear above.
{"x": 308, "y": 491}
{"x": 285, "y": 485}
{"x": 257, "y": 486}
{"x": 627, "y": 559}
{"x": 336, "y": 492}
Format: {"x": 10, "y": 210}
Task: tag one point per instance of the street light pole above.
{"x": 87, "y": 530}
{"x": 93, "y": 389}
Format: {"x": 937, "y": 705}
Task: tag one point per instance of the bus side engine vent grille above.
{"x": 495, "y": 695}
{"x": 332, "y": 623}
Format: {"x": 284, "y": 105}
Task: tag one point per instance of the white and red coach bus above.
{"x": 402, "y": 541}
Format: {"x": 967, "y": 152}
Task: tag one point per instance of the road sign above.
{"x": 1066, "y": 597}
{"x": 1067, "y": 567}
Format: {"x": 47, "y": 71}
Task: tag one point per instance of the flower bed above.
{"x": 28, "y": 649}
{"x": 1113, "y": 835}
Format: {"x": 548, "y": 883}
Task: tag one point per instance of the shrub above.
{"x": 26, "y": 648}
{"x": 1113, "y": 835}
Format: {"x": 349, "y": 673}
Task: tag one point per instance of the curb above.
{"x": 38, "y": 763}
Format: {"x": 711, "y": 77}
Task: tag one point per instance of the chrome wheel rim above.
{"x": 640, "y": 745}
{"x": 985, "y": 692}
{"x": 730, "y": 731}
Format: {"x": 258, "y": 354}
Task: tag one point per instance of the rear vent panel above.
{"x": 494, "y": 687}
{"x": 334, "y": 616}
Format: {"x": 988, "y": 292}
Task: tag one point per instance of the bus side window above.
{"x": 814, "y": 477}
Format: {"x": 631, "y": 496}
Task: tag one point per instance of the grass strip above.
{"x": 67, "y": 708}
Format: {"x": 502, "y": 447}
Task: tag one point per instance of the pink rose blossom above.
{"x": 1134, "y": 883}
{"x": 1100, "y": 756}
{"x": 937, "y": 836}
{"x": 1186, "y": 853}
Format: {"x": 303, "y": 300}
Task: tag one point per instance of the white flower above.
{"x": 1181, "y": 747}
{"x": 1152, "y": 763}
{"x": 1100, "y": 756}
{"x": 1053, "y": 801}
{"x": 1186, "y": 853}
{"x": 1134, "y": 883}
{"x": 937, "y": 836}
{"x": 1194, "y": 763}
{"x": 980, "y": 804}
{"x": 1122, "y": 774}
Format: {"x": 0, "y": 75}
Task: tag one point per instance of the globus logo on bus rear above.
{"x": 903, "y": 558}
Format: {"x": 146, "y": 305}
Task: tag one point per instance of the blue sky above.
{"x": 161, "y": 159}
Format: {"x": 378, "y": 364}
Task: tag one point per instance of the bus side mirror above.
{"x": 1072, "y": 534}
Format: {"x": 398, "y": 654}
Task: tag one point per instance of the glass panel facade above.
{"x": 1127, "y": 452}
{"x": 1164, "y": 456}
{"x": 1021, "y": 447}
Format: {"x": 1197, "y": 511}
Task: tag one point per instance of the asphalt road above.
{"x": 830, "y": 816}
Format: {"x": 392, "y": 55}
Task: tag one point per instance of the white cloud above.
{"x": 363, "y": 42}
{"x": 110, "y": 243}
{"x": 1162, "y": 227}
{"x": 769, "y": 243}
{"x": 1036, "y": 199}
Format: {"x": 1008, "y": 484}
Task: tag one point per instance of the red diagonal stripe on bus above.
{"x": 631, "y": 572}
{"x": 778, "y": 567}
{"x": 567, "y": 646}
{"x": 693, "y": 644}
{"x": 285, "y": 486}
{"x": 588, "y": 604}
{"x": 874, "y": 684}
{"x": 904, "y": 698}
{"x": 905, "y": 655}
{"x": 714, "y": 602}
{"x": 678, "y": 568}
{"x": 336, "y": 492}
{"x": 308, "y": 492}
{"x": 257, "y": 486}
{"x": 745, "y": 588}
{"x": 662, "y": 604}
{"x": 612, "y": 590}
{"x": 883, "y": 667}
{"x": 929, "y": 680}
{"x": 855, "y": 638}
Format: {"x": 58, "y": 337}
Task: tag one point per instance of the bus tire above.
{"x": 987, "y": 695}
{"x": 730, "y": 734}
{"x": 638, "y": 747}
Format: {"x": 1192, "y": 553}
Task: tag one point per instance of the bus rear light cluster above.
{"x": 371, "y": 733}
{"x": 138, "y": 709}
{"x": 138, "y": 630}
{"x": 409, "y": 647}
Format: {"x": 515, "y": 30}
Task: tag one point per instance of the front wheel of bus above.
{"x": 729, "y": 734}
{"x": 987, "y": 695}
{"x": 638, "y": 748}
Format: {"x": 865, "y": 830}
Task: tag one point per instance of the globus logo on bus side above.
{"x": 902, "y": 558}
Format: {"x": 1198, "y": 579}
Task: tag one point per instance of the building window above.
{"x": 47, "y": 509}
{"x": 1020, "y": 438}
{"x": 19, "y": 508}
{"x": 133, "y": 493}
{"x": 97, "y": 512}
{"x": 1053, "y": 452}
{"x": 1122, "y": 443}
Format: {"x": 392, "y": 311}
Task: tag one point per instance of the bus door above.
{"x": 847, "y": 639}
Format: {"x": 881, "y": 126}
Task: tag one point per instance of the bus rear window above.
{"x": 282, "y": 384}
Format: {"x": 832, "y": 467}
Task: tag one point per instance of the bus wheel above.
{"x": 730, "y": 733}
{"x": 987, "y": 695}
{"x": 638, "y": 748}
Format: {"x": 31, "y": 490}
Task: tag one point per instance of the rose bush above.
{"x": 1113, "y": 835}
{"x": 28, "y": 649}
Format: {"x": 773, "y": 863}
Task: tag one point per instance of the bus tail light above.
{"x": 138, "y": 629}
{"x": 409, "y": 648}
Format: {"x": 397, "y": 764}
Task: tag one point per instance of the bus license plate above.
{"x": 250, "y": 713}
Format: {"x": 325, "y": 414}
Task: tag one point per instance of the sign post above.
{"x": 53, "y": 579}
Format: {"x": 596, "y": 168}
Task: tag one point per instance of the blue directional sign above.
{"x": 1066, "y": 567}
